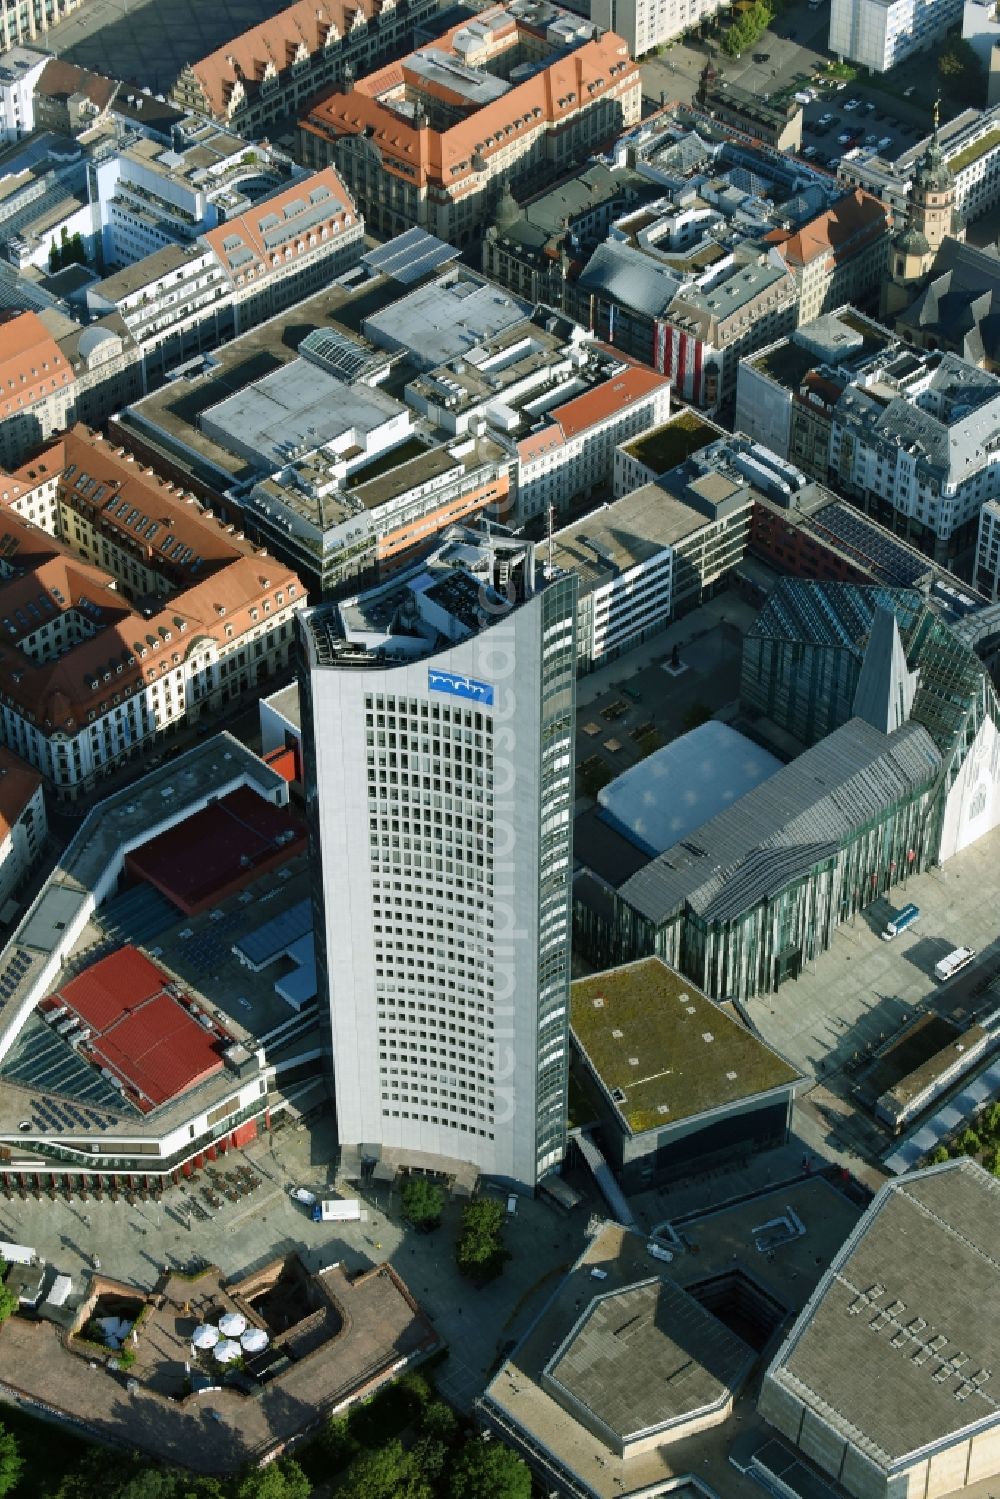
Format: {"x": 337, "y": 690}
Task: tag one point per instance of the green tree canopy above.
{"x": 489, "y": 1470}
{"x": 389, "y": 1472}
{"x": 281, "y": 1480}
{"x": 11, "y": 1461}
{"x": 8, "y": 1301}
{"x": 422, "y": 1202}
{"x": 480, "y": 1252}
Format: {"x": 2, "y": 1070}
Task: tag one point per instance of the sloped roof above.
{"x": 778, "y": 831}
{"x": 850, "y": 226}
{"x": 128, "y": 649}
{"x": 274, "y": 41}
{"x": 625, "y": 275}
{"x": 60, "y": 80}
{"x": 32, "y": 364}
{"x": 18, "y": 784}
{"x": 611, "y": 396}
{"x": 960, "y": 305}
{"x": 256, "y": 240}
{"x": 555, "y": 93}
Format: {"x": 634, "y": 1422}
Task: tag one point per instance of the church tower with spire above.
{"x": 931, "y": 217}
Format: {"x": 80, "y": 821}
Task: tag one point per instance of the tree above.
{"x": 940, "y": 1155}
{"x": 422, "y": 1203}
{"x": 969, "y": 1142}
{"x": 480, "y": 1252}
{"x": 8, "y": 1301}
{"x": 695, "y": 714}
{"x": 339, "y": 1446}
{"x": 281, "y": 1480}
{"x": 960, "y": 71}
{"x": 439, "y": 1422}
{"x": 489, "y": 1470}
{"x": 388, "y": 1472}
{"x": 11, "y": 1461}
{"x": 133, "y": 1477}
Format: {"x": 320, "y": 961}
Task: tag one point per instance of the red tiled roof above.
{"x": 18, "y": 784}
{"x": 274, "y": 41}
{"x": 257, "y": 230}
{"x": 139, "y": 1032}
{"x": 129, "y": 649}
{"x": 605, "y": 400}
{"x": 32, "y": 365}
{"x": 853, "y": 222}
{"x": 219, "y": 849}
{"x": 557, "y": 92}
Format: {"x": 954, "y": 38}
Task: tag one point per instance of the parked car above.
{"x": 908, "y": 92}
{"x": 850, "y": 104}
{"x": 871, "y": 140}
{"x": 762, "y": 57}
{"x": 885, "y": 143}
{"x": 825, "y": 119}
{"x": 809, "y": 152}
{"x": 307, "y": 1199}
{"x": 845, "y": 138}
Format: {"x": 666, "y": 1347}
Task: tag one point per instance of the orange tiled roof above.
{"x": 581, "y": 77}
{"x": 32, "y": 365}
{"x": 537, "y": 443}
{"x": 129, "y": 649}
{"x": 853, "y": 222}
{"x": 254, "y": 242}
{"x": 144, "y": 514}
{"x": 274, "y": 41}
{"x": 605, "y": 399}
{"x": 18, "y": 784}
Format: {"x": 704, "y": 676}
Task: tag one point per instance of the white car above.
{"x": 809, "y": 152}
{"x": 826, "y": 119}
{"x": 850, "y": 104}
{"x": 845, "y": 139}
{"x": 307, "y": 1199}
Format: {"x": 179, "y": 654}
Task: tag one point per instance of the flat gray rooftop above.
{"x": 690, "y": 1363}
{"x": 897, "y": 1348}
{"x": 623, "y": 535}
{"x": 294, "y": 409}
{"x": 443, "y": 319}
{"x": 169, "y": 417}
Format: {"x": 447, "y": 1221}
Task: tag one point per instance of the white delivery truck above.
{"x": 949, "y": 966}
{"x": 339, "y": 1210}
{"x": 17, "y": 1254}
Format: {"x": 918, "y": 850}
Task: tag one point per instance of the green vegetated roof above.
{"x": 665, "y": 1052}
{"x": 667, "y": 446}
{"x": 974, "y": 151}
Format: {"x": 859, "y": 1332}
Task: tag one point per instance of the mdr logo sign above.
{"x": 458, "y": 686}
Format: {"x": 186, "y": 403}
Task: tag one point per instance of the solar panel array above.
{"x": 887, "y": 559}
{"x": 410, "y": 256}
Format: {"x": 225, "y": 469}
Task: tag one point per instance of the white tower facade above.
{"x": 438, "y": 719}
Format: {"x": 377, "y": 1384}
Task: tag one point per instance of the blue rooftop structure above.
{"x": 658, "y": 802}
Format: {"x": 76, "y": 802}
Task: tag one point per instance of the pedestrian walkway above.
{"x": 725, "y": 608}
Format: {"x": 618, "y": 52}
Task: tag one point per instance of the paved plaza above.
{"x": 147, "y": 42}
{"x": 135, "y": 1244}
